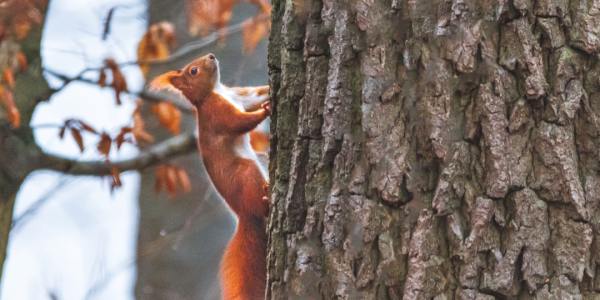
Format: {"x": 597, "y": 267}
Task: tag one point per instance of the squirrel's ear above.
{"x": 165, "y": 81}
{"x": 170, "y": 81}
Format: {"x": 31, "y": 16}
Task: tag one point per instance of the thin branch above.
{"x": 156, "y": 97}
{"x": 170, "y": 148}
{"x": 181, "y": 52}
{"x": 150, "y": 96}
{"x": 199, "y": 44}
{"x": 46, "y": 126}
{"x": 107, "y": 22}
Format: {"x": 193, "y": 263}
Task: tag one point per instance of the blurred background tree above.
{"x": 73, "y": 105}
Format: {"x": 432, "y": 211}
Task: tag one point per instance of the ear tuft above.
{"x": 162, "y": 82}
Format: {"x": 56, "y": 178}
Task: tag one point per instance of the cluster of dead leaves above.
{"x": 139, "y": 126}
{"x": 8, "y": 101}
{"x": 156, "y": 44}
{"x": 254, "y": 31}
{"x": 17, "y": 64}
{"x": 17, "y": 17}
{"x": 259, "y": 141}
{"x": 137, "y": 131}
{"x": 77, "y": 127}
{"x": 167, "y": 114}
{"x": 168, "y": 177}
{"x": 206, "y": 16}
{"x": 172, "y": 179}
{"x": 118, "y": 83}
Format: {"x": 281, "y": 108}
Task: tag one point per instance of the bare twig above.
{"x": 170, "y": 148}
{"x": 155, "y": 97}
{"x": 46, "y": 126}
{"x": 199, "y": 44}
{"x": 147, "y": 95}
{"x": 181, "y": 52}
{"x": 107, "y": 22}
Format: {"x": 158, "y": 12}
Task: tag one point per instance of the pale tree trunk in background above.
{"x": 19, "y": 153}
{"x": 174, "y": 260}
{"x": 181, "y": 241}
{"x": 439, "y": 149}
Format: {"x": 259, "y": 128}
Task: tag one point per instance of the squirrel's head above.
{"x": 194, "y": 81}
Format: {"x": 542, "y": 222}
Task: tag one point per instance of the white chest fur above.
{"x": 243, "y": 147}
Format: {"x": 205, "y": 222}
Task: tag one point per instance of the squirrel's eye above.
{"x": 194, "y": 71}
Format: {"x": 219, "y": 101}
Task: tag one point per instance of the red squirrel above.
{"x": 223, "y": 140}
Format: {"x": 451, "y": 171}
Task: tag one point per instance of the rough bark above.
{"x": 435, "y": 149}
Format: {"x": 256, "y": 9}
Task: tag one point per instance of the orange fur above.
{"x": 259, "y": 141}
{"x": 223, "y": 129}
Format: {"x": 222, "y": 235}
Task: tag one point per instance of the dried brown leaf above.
{"x": 9, "y": 77}
{"x": 204, "y": 16}
{"x": 76, "y": 134}
{"x": 3, "y": 31}
{"x": 259, "y": 141}
{"x": 168, "y": 116}
{"x": 184, "y": 180}
{"x": 119, "y": 84}
{"x": 104, "y": 144}
{"x": 21, "y": 26}
{"x": 159, "y": 175}
{"x": 171, "y": 180}
{"x": 116, "y": 178}
{"x": 102, "y": 78}
{"x": 139, "y": 127}
{"x": 61, "y": 132}
{"x": 120, "y": 139}
{"x": 14, "y": 117}
{"x": 254, "y": 31}
{"x": 21, "y": 61}
{"x": 87, "y": 127}
{"x": 156, "y": 44}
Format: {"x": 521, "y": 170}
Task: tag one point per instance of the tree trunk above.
{"x": 439, "y": 149}
{"x": 19, "y": 154}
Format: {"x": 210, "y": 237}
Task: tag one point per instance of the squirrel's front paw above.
{"x": 267, "y": 107}
{"x": 266, "y": 198}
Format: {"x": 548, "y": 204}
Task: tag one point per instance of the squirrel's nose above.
{"x": 211, "y": 56}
